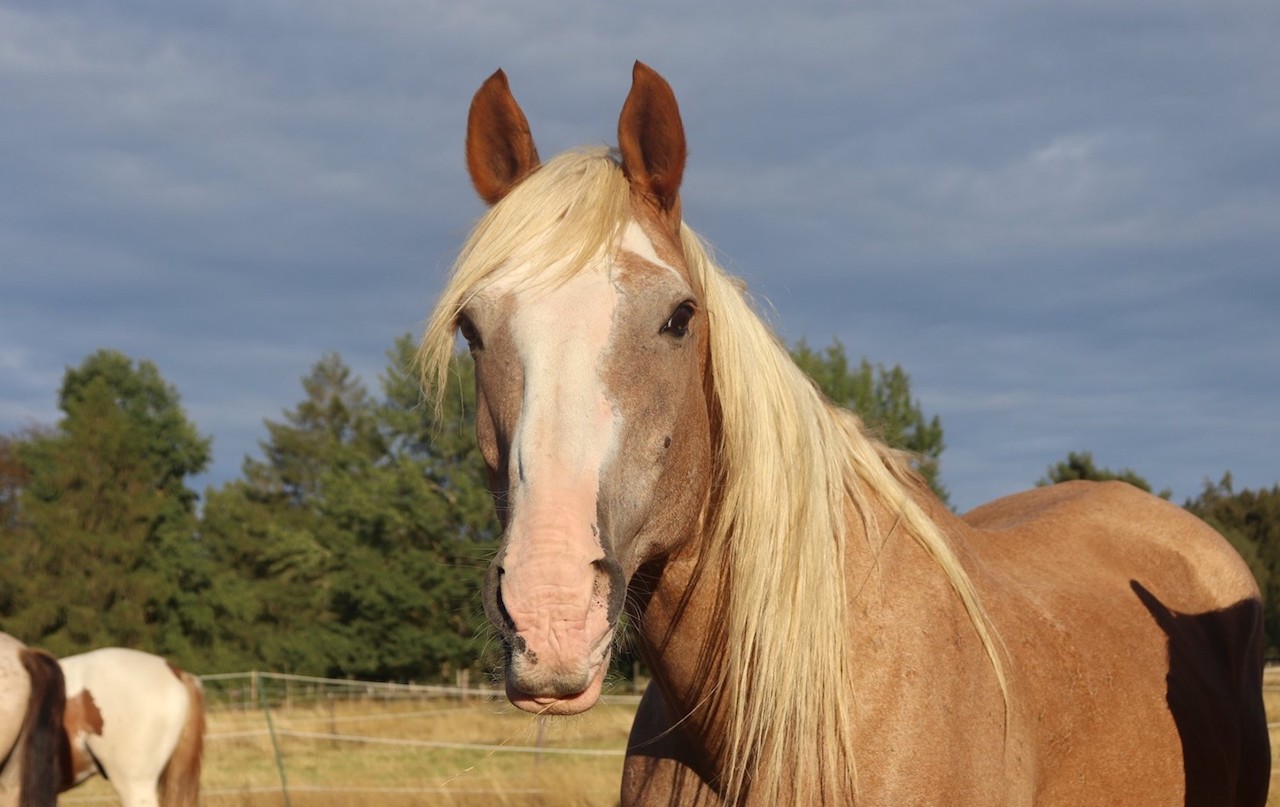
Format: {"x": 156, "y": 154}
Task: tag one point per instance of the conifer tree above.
{"x": 881, "y": 396}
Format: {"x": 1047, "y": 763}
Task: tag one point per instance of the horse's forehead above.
{"x": 567, "y": 320}
{"x": 645, "y": 244}
{"x": 532, "y": 289}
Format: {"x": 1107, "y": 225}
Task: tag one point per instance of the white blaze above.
{"x": 566, "y": 433}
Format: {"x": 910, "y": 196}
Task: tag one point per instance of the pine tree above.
{"x": 359, "y": 531}
{"x": 882, "y": 398}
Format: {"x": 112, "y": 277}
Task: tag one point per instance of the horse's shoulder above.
{"x": 661, "y": 765}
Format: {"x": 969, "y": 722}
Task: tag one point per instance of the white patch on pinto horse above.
{"x": 143, "y": 708}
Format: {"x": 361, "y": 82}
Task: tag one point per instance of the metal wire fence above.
{"x": 277, "y": 738}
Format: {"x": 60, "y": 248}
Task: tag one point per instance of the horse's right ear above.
{"x": 500, "y": 150}
{"x": 651, "y": 138}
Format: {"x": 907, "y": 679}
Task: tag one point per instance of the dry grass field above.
{"x": 1271, "y": 697}
{"x": 402, "y": 752}
{"x": 407, "y": 752}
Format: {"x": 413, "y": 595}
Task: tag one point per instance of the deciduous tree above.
{"x": 104, "y": 550}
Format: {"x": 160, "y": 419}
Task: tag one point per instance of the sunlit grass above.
{"x": 240, "y": 771}
{"x": 522, "y": 766}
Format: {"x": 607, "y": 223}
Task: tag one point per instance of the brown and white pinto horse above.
{"x": 139, "y": 721}
{"x": 820, "y": 628}
{"x": 31, "y": 700}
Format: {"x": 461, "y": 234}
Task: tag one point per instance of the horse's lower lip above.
{"x": 576, "y": 703}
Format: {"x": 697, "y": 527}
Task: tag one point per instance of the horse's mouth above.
{"x": 556, "y": 695}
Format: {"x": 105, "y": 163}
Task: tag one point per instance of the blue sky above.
{"x": 1062, "y": 218}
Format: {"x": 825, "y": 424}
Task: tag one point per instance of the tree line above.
{"x": 354, "y": 544}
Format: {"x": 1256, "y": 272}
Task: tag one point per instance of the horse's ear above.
{"x": 651, "y": 138}
{"x": 500, "y": 150}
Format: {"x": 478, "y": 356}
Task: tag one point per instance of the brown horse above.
{"x": 820, "y": 628}
{"x": 139, "y": 721}
{"x": 31, "y": 702}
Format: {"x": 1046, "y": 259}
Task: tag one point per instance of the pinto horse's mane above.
{"x": 796, "y": 478}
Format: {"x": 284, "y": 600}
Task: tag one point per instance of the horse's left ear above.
{"x": 651, "y": 138}
{"x": 500, "y": 150}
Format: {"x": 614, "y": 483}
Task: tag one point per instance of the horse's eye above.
{"x": 468, "y": 330}
{"x": 678, "y": 324}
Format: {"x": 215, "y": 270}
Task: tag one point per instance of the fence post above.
{"x": 275, "y": 743}
{"x": 333, "y": 723}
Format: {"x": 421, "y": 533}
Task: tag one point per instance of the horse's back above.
{"x": 1136, "y": 633}
{"x": 142, "y": 705}
{"x": 1129, "y": 531}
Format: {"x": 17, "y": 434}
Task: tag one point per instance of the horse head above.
{"x": 590, "y": 346}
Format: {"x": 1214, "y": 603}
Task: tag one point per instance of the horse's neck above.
{"x": 683, "y": 604}
{"x": 904, "y": 617}
{"x": 680, "y": 624}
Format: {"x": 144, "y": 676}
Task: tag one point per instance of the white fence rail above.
{"x": 245, "y": 690}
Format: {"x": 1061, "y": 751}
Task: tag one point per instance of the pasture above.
{"x": 351, "y": 742}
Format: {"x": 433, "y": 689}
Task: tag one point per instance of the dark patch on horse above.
{"x": 1215, "y": 696}
{"x": 46, "y": 758}
{"x": 666, "y": 441}
{"x": 81, "y": 717}
{"x": 86, "y": 712}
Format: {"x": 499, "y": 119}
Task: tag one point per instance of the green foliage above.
{"x": 1250, "y": 520}
{"x": 882, "y": 398}
{"x": 362, "y": 530}
{"x": 100, "y": 518}
{"x": 1080, "y": 465}
{"x": 149, "y": 406}
{"x": 13, "y": 478}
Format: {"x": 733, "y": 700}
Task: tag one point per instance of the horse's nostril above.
{"x": 610, "y": 586}
{"x": 494, "y": 608}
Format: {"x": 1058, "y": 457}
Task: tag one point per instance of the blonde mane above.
{"x": 790, "y": 469}
{"x": 575, "y": 205}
